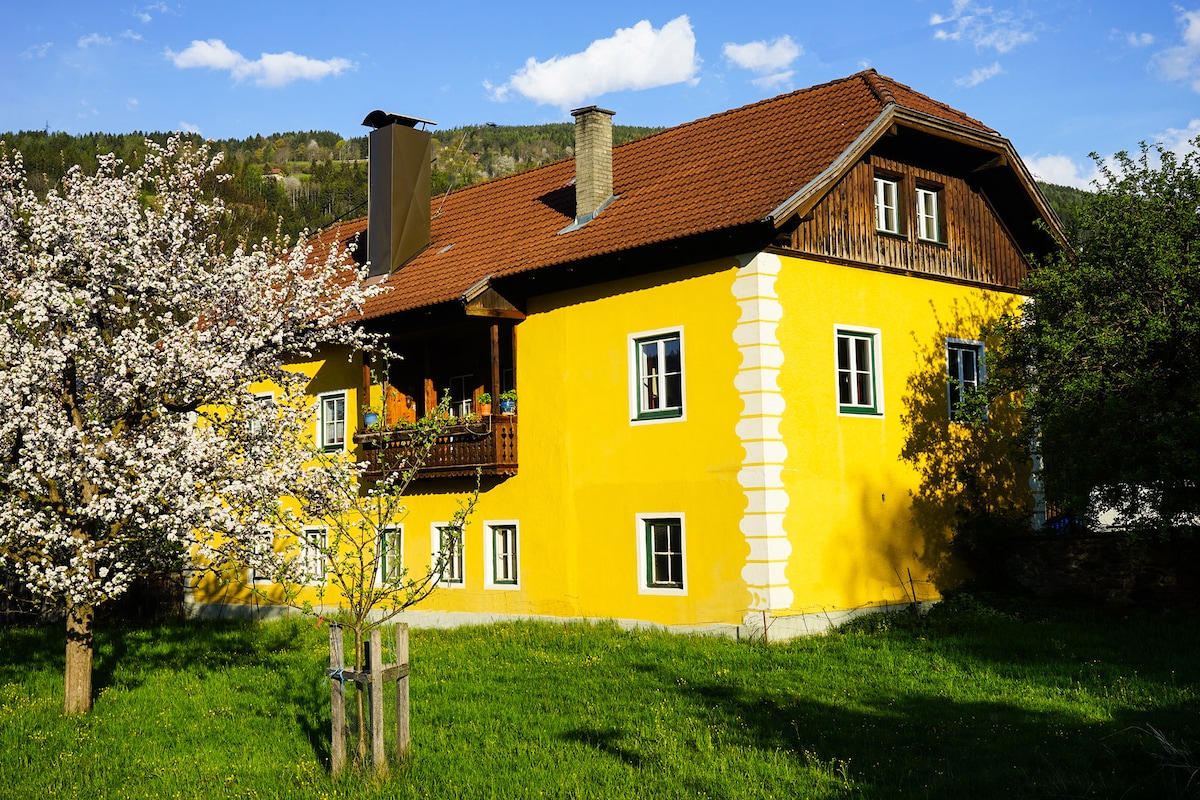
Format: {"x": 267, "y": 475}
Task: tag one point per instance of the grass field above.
{"x": 969, "y": 702}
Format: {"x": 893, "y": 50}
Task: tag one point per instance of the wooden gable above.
{"x": 976, "y": 247}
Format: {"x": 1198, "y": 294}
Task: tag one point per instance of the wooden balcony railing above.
{"x": 489, "y": 445}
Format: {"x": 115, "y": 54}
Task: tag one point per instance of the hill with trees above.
{"x": 311, "y": 179}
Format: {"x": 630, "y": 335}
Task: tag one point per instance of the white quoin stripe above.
{"x": 761, "y": 476}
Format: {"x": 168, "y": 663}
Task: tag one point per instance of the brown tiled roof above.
{"x": 721, "y": 172}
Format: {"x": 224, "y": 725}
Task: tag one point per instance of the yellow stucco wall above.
{"x": 586, "y": 472}
{"x": 850, "y": 514}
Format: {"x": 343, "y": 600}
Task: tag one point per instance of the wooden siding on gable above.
{"x": 975, "y": 246}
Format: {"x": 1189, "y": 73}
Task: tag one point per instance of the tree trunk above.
{"x": 78, "y": 690}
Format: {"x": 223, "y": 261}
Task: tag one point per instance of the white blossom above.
{"x": 128, "y": 341}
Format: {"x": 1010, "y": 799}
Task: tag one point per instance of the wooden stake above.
{"x": 375, "y": 699}
{"x": 337, "y": 701}
{"x": 403, "y": 712}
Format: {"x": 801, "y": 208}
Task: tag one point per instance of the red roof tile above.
{"x": 721, "y": 172}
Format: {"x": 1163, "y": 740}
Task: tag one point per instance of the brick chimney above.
{"x": 593, "y": 162}
{"x": 397, "y": 190}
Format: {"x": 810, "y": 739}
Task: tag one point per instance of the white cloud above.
{"x": 133, "y": 36}
{"x": 144, "y": 14}
{"x": 1062, "y": 170}
{"x": 271, "y": 70}
{"x": 774, "y": 81}
{"x": 188, "y": 127}
{"x": 131, "y": 104}
{"x": 634, "y": 58}
{"x": 982, "y": 26}
{"x": 1139, "y": 39}
{"x": 94, "y": 39}
{"x": 979, "y": 75}
{"x": 1182, "y": 62}
{"x": 1180, "y": 140}
{"x": 763, "y": 56}
{"x": 37, "y": 50}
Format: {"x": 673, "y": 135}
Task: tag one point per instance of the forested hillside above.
{"x": 310, "y": 179}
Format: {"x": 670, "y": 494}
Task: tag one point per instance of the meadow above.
{"x": 973, "y": 700}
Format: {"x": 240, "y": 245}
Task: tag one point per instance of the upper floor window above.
{"x": 929, "y": 225}
{"x": 462, "y": 395}
{"x": 858, "y": 371}
{"x": 887, "y": 205}
{"x": 332, "y": 421}
{"x": 964, "y": 373}
{"x": 657, "y": 373}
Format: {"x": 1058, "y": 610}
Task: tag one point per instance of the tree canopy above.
{"x": 129, "y": 340}
{"x": 1108, "y": 349}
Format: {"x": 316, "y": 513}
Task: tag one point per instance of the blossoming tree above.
{"x": 128, "y": 343}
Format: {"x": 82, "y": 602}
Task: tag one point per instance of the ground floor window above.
{"x": 501, "y": 555}
{"x": 388, "y": 571}
{"x": 448, "y": 551}
{"x": 661, "y": 554}
{"x": 315, "y": 545}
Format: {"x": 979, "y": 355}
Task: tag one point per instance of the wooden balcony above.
{"x": 489, "y": 445}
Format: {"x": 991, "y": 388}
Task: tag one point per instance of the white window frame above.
{"x": 462, "y": 395}
{"x": 645, "y": 566}
{"x": 980, "y": 353}
{"x": 314, "y": 558}
{"x": 322, "y": 422}
{"x": 454, "y": 572}
{"x": 491, "y": 556}
{"x": 259, "y": 580}
{"x": 884, "y": 186}
{"x": 389, "y": 547}
{"x": 263, "y": 398}
{"x": 929, "y": 220}
{"x": 855, "y": 408}
{"x": 638, "y": 414}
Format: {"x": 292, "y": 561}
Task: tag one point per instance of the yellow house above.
{"x": 737, "y": 346}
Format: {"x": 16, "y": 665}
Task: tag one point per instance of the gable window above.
{"x": 929, "y": 226}
{"x": 332, "y": 421}
{"x": 657, "y": 372}
{"x": 661, "y": 553}
{"x": 501, "y": 556}
{"x": 887, "y": 205}
{"x": 858, "y": 371}
{"x": 388, "y": 570}
{"x": 964, "y": 372}
{"x": 448, "y": 551}
{"x": 315, "y": 544}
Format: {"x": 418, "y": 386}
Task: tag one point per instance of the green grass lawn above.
{"x": 969, "y": 702}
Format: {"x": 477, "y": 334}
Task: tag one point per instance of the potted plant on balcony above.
{"x": 484, "y": 403}
{"x": 508, "y": 402}
{"x": 371, "y": 416}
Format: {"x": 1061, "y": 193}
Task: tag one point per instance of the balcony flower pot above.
{"x": 371, "y": 419}
{"x": 508, "y": 402}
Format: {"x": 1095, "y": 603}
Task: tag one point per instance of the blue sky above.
{"x": 1060, "y": 78}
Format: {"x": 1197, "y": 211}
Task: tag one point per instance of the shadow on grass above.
{"x": 926, "y": 746}
{"x": 607, "y": 740}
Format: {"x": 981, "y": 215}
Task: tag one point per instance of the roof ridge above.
{"x": 878, "y": 84}
{"x": 740, "y": 109}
